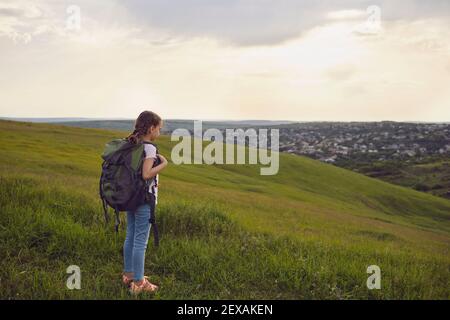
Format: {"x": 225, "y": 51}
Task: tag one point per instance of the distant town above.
{"x": 372, "y": 141}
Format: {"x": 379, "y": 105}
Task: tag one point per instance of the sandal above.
{"x": 126, "y": 280}
{"x": 146, "y": 286}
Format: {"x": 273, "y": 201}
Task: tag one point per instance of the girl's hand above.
{"x": 163, "y": 159}
{"x": 148, "y": 171}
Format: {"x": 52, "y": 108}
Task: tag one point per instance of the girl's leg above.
{"x": 129, "y": 244}
{"x": 141, "y": 233}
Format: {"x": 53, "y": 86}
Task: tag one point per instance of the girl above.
{"x": 147, "y": 127}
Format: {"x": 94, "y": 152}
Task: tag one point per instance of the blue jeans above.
{"x": 138, "y": 230}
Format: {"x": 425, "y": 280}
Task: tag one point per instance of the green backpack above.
{"x": 121, "y": 184}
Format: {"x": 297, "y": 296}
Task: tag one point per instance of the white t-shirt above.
{"x": 150, "y": 152}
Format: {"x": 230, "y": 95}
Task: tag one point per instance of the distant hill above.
{"x": 170, "y": 125}
{"x": 309, "y": 232}
{"x": 122, "y": 123}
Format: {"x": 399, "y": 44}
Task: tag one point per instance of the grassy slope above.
{"x": 227, "y": 232}
{"x": 431, "y": 175}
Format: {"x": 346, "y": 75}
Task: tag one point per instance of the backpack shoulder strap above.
{"x": 102, "y": 198}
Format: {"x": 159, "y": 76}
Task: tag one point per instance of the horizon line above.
{"x": 74, "y": 119}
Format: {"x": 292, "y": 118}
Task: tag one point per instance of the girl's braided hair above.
{"x": 145, "y": 120}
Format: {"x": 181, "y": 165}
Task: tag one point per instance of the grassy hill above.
{"x": 309, "y": 232}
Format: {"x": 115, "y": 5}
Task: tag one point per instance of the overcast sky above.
{"x": 226, "y": 59}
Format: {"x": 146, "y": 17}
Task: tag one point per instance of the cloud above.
{"x": 235, "y": 22}
{"x": 341, "y": 72}
{"x": 241, "y": 23}
{"x": 268, "y": 22}
{"x": 22, "y": 19}
{"x": 19, "y": 9}
{"x": 346, "y": 14}
{"x": 10, "y": 12}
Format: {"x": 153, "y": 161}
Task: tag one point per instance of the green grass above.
{"x": 226, "y": 232}
{"x": 431, "y": 175}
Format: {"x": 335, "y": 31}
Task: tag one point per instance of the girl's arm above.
{"x": 148, "y": 172}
